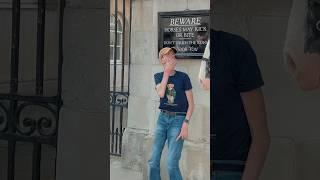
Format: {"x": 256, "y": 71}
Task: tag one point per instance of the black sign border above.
{"x": 185, "y": 13}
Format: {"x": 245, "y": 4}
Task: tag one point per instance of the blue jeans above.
{"x": 226, "y": 175}
{"x": 168, "y": 128}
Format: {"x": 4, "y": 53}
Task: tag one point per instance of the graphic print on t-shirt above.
{"x": 171, "y": 94}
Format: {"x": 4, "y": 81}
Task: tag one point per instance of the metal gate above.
{"x": 30, "y": 119}
{"x": 120, "y": 27}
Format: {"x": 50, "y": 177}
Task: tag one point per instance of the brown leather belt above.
{"x": 173, "y": 113}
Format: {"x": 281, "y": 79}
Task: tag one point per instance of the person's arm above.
{"x": 184, "y": 129}
{"x": 161, "y": 87}
{"x": 302, "y": 44}
{"x": 189, "y": 95}
{"x": 205, "y": 84}
{"x": 254, "y": 106}
{"x": 204, "y": 73}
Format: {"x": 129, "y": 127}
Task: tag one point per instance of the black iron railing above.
{"x": 120, "y": 63}
{"x": 30, "y": 119}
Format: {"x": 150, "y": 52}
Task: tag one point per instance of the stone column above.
{"x": 82, "y": 142}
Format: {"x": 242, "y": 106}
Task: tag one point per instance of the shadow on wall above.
{"x": 291, "y": 159}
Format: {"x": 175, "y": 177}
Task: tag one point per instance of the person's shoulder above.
{"x": 236, "y": 43}
{"x": 235, "y": 38}
{"x": 158, "y": 74}
{"x": 183, "y": 74}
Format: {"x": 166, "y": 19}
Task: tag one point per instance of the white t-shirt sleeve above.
{"x": 203, "y": 64}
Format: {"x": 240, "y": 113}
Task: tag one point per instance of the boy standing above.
{"x": 176, "y": 105}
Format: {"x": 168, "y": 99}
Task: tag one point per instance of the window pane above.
{"x": 113, "y": 33}
{"x": 119, "y": 53}
{"x": 111, "y": 52}
{"x": 112, "y": 26}
{"x": 112, "y": 38}
{"x": 112, "y": 22}
{"x": 119, "y": 39}
{"x": 112, "y": 19}
{"x": 119, "y": 28}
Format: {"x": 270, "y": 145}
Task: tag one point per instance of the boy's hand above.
{"x": 169, "y": 66}
{"x": 184, "y": 132}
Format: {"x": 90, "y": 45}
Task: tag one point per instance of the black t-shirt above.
{"x": 175, "y": 99}
{"x": 235, "y": 70}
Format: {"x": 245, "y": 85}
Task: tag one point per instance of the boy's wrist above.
{"x": 166, "y": 73}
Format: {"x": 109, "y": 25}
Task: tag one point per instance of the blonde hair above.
{"x": 163, "y": 52}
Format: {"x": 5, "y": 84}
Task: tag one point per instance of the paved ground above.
{"x": 117, "y": 172}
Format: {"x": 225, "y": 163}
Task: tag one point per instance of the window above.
{"x": 115, "y": 47}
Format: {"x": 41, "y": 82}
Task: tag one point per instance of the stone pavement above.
{"x": 117, "y": 172}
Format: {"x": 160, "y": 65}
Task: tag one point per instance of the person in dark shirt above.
{"x": 176, "y": 107}
{"x": 239, "y": 132}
